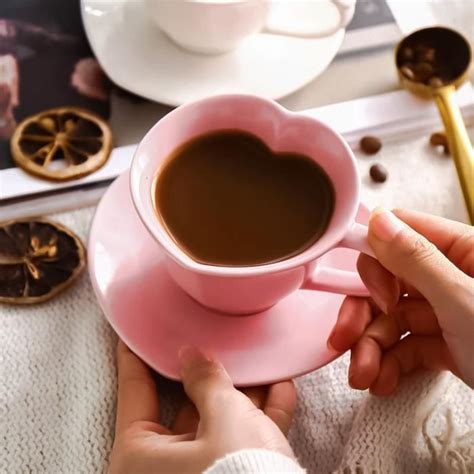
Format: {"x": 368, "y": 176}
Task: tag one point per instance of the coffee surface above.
{"x": 227, "y": 199}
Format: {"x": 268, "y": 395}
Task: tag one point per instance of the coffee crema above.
{"x": 226, "y": 199}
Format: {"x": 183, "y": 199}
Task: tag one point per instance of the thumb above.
{"x": 208, "y": 385}
{"x": 415, "y": 260}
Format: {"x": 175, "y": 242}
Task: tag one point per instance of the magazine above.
{"x": 45, "y": 62}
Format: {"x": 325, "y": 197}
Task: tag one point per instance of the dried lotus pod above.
{"x": 38, "y": 259}
{"x": 61, "y": 144}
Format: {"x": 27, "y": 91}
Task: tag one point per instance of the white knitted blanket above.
{"x": 57, "y": 374}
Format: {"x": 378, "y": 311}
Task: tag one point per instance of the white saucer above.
{"x": 139, "y": 58}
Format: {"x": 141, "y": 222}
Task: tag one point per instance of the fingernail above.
{"x": 329, "y": 344}
{"x": 351, "y": 378}
{"x": 384, "y": 224}
{"x": 189, "y": 356}
{"x": 379, "y": 296}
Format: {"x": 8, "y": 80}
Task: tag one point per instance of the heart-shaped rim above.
{"x": 282, "y": 131}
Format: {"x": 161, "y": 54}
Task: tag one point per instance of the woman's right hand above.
{"x": 421, "y": 284}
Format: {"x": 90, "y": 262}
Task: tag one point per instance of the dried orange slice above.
{"x": 38, "y": 259}
{"x": 61, "y": 144}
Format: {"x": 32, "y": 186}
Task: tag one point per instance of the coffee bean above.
{"x": 439, "y": 139}
{"x": 407, "y": 54}
{"x": 370, "y": 145}
{"x": 435, "y": 81}
{"x": 407, "y": 71}
{"x": 423, "y": 71}
{"x": 378, "y": 173}
{"x": 428, "y": 55}
{"x": 420, "y": 51}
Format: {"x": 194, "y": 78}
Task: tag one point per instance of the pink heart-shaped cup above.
{"x": 246, "y": 290}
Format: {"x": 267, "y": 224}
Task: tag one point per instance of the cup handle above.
{"x": 343, "y": 281}
{"x": 346, "y": 12}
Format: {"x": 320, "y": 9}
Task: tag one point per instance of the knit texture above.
{"x": 255, "y": 461}
{"x": 58, "y": 375}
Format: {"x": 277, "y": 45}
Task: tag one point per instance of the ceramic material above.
{"x": 155, "y": 317}
{"x": 244, "y": 290}
{"x": 219, "y": 26}
{"x": 140, "y": 58}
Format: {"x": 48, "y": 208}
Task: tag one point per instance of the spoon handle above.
{"x": 459, "y": 143}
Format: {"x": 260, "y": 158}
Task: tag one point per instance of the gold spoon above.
{"x": 433, "y": 62}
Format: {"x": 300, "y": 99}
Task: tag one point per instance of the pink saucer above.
{"x": 155, "y": 317}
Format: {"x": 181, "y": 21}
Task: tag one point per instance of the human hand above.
{"x": 421, "y": 285}
{"x": 226, "y": 420}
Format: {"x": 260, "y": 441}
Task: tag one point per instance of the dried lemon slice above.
{"x": 38, "y": 259}
{"x": 61, "y": 144}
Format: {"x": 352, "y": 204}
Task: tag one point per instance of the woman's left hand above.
{"x": 226, "y": 420}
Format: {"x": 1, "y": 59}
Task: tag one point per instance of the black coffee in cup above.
{"x": 227, "y": 199}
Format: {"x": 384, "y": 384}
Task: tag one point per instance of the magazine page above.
{"x": 45, "y": 62}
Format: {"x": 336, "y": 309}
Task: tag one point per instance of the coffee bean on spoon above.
{"x": 423, "y": 71}
{"x": 407, "y": 54}
{"x": 378, "y": 173}
{"x": 423, "y": 52}
{"x": 407, "y": 71}
{"x": 428, "y": 55}
{"x": 370, "y": 145}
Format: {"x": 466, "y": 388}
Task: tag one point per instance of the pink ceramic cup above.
{"x": 246, "y": 290}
